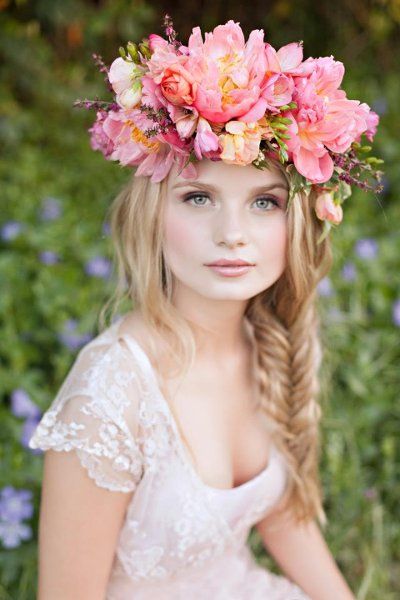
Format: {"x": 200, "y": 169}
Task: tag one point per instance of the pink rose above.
{"x": 327, "y": 210}
{"x": 178, "y": 86}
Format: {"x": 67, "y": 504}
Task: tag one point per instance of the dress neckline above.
{"x": 135, "y": 346}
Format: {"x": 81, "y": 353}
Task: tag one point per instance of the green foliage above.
{"x": 46, "y": 49}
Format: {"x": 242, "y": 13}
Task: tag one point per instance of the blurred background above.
{"x": 56, "y": 268}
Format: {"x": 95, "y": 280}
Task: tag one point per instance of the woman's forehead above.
{"x": 220, "y": 175}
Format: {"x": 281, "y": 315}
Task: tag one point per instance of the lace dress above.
{"x": 180, "y": 537}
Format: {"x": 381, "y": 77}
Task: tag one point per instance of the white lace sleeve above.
{"x": 95, "y": 413}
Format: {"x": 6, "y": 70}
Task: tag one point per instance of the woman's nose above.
{"x": 230, "y": 228}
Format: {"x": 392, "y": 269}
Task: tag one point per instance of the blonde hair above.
{"x": 284, "y": 320}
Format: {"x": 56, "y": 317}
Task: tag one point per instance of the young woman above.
{"x": 194, "y": 416}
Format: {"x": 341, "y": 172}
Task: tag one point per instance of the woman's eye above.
{"x": 193, "y": 196}
{"x": 267, "y": 199}
{"x": 264, "y": 199}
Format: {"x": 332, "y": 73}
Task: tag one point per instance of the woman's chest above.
{"x": 221, "y": 426}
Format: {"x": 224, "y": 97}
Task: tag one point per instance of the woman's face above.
{"x": 229, "y": 212}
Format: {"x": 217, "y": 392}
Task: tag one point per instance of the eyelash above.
{"x": 192, "y": 196}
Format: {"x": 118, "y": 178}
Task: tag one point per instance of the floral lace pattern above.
{"x": 179, "y": 536}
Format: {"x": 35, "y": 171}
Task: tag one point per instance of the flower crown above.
{"x": 240, "y": 102}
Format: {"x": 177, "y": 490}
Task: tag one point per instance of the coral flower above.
{"x": 241, "y": 144}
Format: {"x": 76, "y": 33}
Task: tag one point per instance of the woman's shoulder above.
{"x": 120, "y": 347}
{"x": 96, "y": 411}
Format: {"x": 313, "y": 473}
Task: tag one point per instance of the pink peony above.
{"x": 229, "y": 72}
{"x": 326, "y": 75}
{"x": 185, "y": 120}
{"x": 99, "y": 140}
{"x": 287, "y": 59}
{"x": 327, "y": 210}
{"x": 276, "y": 92}
{"x": 178, "y": 86}
{"x": 130, "y": 143}
{"x": 372, "y": 123}
{"x": 325, "y": 119}
{"x": 206, "y": 140}
{"x": 156, "y": 41}
{"x": 345, "y": 121}
{"x": 158, "y": 165}
{"x": 241, "y": 144}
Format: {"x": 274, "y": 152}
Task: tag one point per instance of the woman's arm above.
{"x": 303, "y": 555}
{"x": 78, "y": 530}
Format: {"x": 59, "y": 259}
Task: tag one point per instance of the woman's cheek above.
{"x": 179, "y": 236}
{"x": 273, "y": 246}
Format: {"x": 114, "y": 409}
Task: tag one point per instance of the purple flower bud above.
{"x": 366, "y": 248}
{"x": 10, "y": 230}
{"x": 15, "y": 505}
{"x": 99, "y": 266}
{"x": 51, "y": 209}
{"x": 349, "y": 272}
{"x": 325, "y": 287}
{"x": 22, "y": 405}
{"x": 48, "y": 257}
{"x": 11, "y": 534}
{"x": 396, "y": 312}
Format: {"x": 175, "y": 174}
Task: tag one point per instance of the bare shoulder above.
{"x": 133, "y": 324}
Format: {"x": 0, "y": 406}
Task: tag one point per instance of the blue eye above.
{"x": 268, "y": 199}
{"x": 193, "y": 196}
{"x": 205, "y": 197}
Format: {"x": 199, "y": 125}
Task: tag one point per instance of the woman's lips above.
{"x": 232, "y": 270}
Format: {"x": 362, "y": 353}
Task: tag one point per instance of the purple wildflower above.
{"x": 325, "y": 287}
{"x": 22, "y": 405}
{"x": 48, "y": 257}
{"x": 349, "y": 271}
{"x": 366, "y": 248}
{"x": 380, "y": 105}
{"x": 28, "y": 430}
{"x": 396, "y": 312}
{"x": 11, "y": 534}
{"x": 106, "y": 228}
{"x": 15, "y": 505}
{"x": 51, "y": 209}
{"x": 71, "y": 338}
{"x": 99, "y": 266}
{"x": 370, "y": 493}
{"x": 10, "y": 230}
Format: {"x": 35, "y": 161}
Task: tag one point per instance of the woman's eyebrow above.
{"x": 209, "y": 186}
